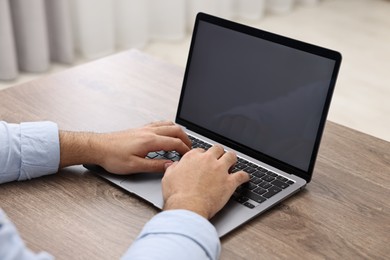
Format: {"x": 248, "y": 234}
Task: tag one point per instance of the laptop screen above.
{"x": 260, "y": 94}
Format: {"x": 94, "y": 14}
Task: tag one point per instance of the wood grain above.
{"x": 343, "y": 213}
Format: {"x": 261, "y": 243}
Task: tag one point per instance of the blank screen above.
{"x": 260, "y": 94}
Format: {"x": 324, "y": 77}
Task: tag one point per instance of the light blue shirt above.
{"x": 30, "y": 150}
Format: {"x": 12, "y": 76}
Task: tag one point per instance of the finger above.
{"x": 167, "y": 165}
{"x": 198, "y": 150}
{"x": 171, "y": 166}
{"x": 169, "y": 144}
{"x": 148, "y": 165}
{"x": 216, "y": 150}
{"x": 173, "y": 131}
{"x": 239, "y": 178}
{"x": 160, "y": 123}
{"x": 194, "y": 151}
{"x": 229, "y": 158}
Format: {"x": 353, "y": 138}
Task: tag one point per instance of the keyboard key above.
{"x": 271, "y": 192}
{"x": 255, "y": 197}
{"x": 249, "y": 205}
{"x": 272, "y": 174}
{"x": 250, "y": 186}
{"x": 264, "y": 185}
{"x": 240, "y": 189}
{"x": 258, "y": 174}
{"x": 280, "y": 184}
{"x": 244, "y": 161}
{"x": 152, "y": 155}
{"x": 261, "y": 169}
{"x": 255, "y": 180}
{"x": 176, "y": 159}
{"x": 240, "y": 166}
{"x": 196, "y": 143}
{"x": 252, "y": 164}
{"x": 259, "y": 191}
{"x": 235, "y": 170}
{"x": 290, "y": 182}
{"x": 170, "y": 155}
{"x": 268, "y": 178}
{"x": 241, "y": 199}
{"x": 249, "y": 170}
{"x": 282, "y": 178}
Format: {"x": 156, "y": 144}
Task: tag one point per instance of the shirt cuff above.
{"x": 40, "y": 149}
{"x": 186, "y": 225}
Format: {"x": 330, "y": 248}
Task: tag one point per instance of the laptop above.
{"x": 259, "y": 94}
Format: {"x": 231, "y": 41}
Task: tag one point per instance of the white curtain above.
{"x": 35, "y": 32}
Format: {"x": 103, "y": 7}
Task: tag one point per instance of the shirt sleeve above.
{"x": 12, "y": 246}
{"x": 28, "y": 150}
{"x": 176, "y": 234}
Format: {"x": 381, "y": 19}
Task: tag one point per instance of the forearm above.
{"x": 79, "y": 148}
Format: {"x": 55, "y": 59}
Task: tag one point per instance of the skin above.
{"x": 201, "y": 182}
{"x": 186, "y": 184}
{"x": 123, "y": 152}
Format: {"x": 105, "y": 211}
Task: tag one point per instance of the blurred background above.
{"x": 41, "y": 37}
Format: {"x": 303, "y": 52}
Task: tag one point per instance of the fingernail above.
{"x": 167, "y": 165}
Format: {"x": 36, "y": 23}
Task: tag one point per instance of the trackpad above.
{"x": 146, "y": 186}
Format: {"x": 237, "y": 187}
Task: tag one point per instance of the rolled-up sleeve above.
{"x": 176, "y": 234}
{"x": 28, "y": 150}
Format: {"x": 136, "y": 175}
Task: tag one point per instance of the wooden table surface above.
{"x": 344, "y": 213}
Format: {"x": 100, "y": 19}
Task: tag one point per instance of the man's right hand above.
{"x": 201, "y": 182}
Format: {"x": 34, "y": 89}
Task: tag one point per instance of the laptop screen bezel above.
{"x": 296, "y": 44}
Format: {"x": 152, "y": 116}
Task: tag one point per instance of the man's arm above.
{"x": 182, "y": 231}
{"x": 123, "y": 152}
{"x": 30, "y": 150}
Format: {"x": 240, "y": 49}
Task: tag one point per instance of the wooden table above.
{"x": 344, "y": 213}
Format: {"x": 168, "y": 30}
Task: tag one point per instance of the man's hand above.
{"x": 123, "y": 152}
{"x": 200, "y": 182}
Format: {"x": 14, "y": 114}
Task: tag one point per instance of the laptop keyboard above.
{"x": 263, "y": 183}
